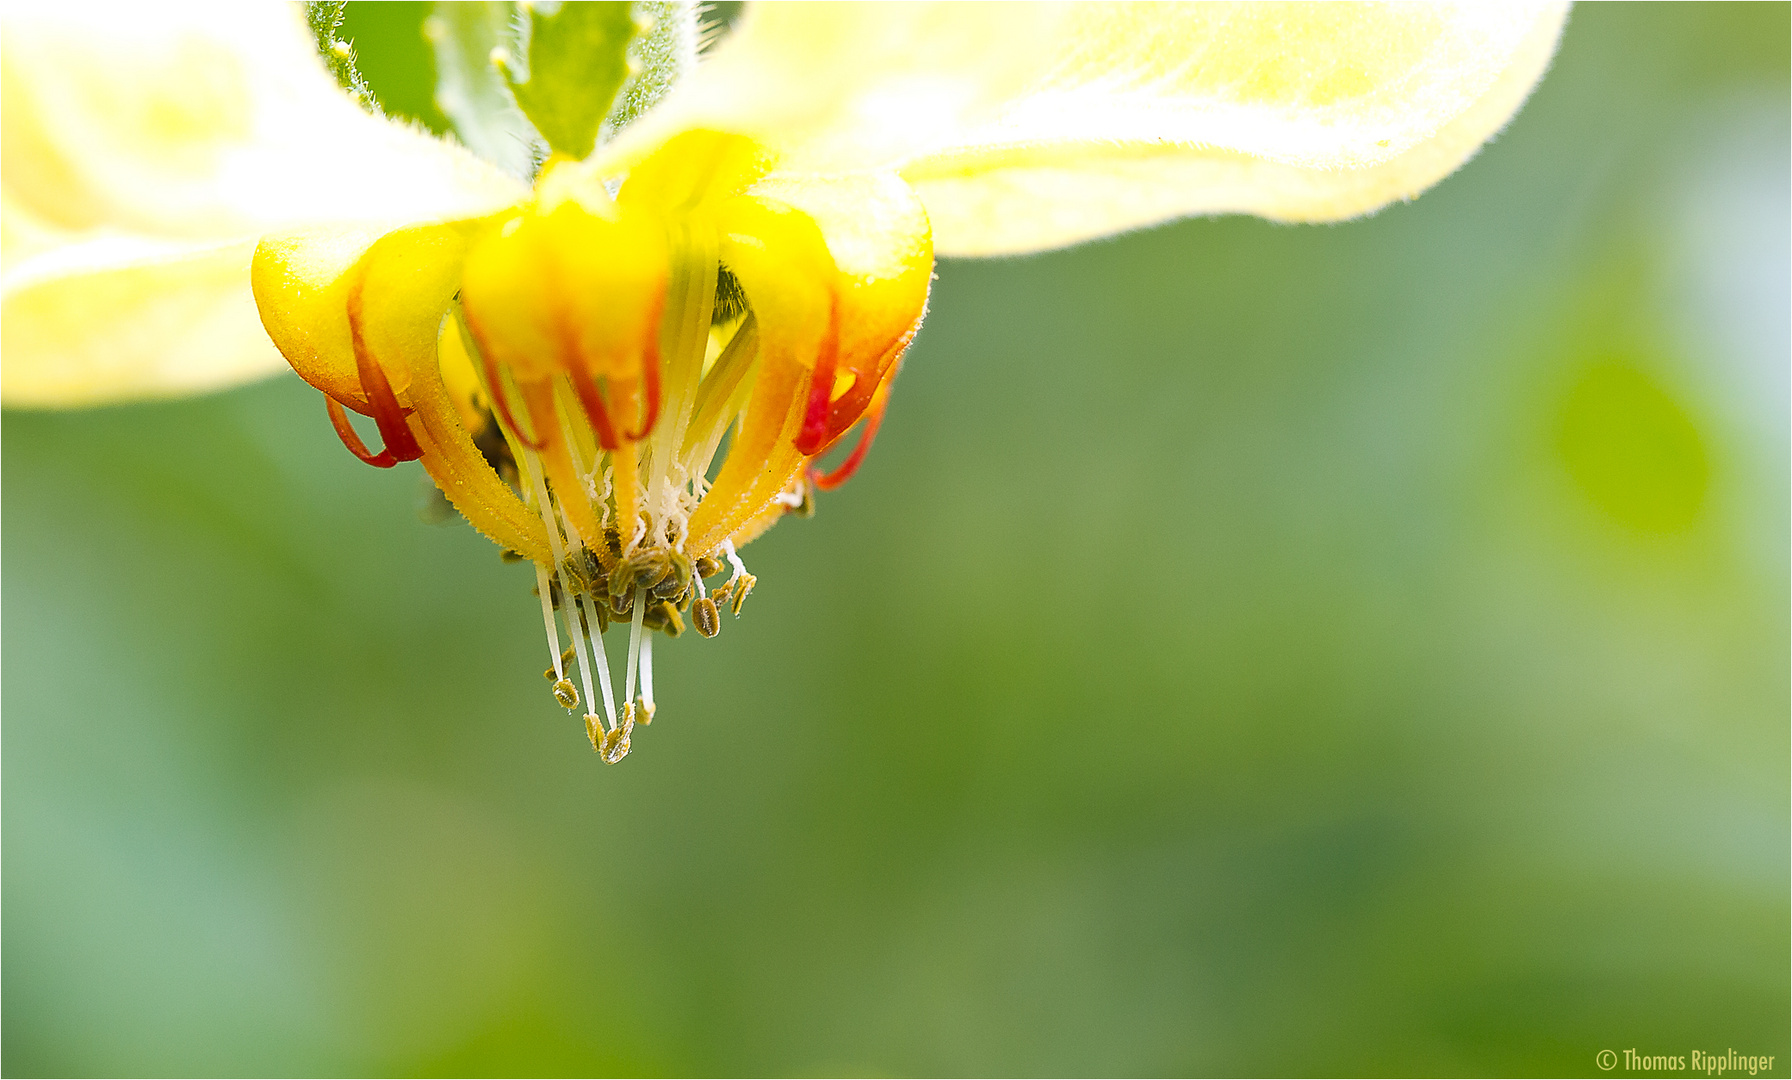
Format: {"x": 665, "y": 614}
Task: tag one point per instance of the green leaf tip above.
{"x": 325, "y": 21}
{"x": 472, "y": 91}
{"x": 578, "y": 58}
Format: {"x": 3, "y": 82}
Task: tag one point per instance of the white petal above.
{"x": 1027, "y": 126}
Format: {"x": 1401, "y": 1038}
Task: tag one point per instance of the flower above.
{"x": 190, "y": 201}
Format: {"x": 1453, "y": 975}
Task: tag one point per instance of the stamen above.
{"x": 647, "y": 706}
{"x": 575, "y": 628}
{"x": 634, "y": 649}
{"x": 740, "y": 594}
{"x": 740, "y": 584}
{"x": 613, "y": 745}
{"x": 740, "y": 568}
{"x": 547, "y": 616}
{"x": 563, "y": 688}
{"x": 593, "y": 626}
{"x": 597, "y": 653}
{"x": 705, "y": 617}
{"x": 549, "y": 520}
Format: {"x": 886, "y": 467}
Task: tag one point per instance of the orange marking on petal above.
{"x": 650, "y": 374}
{"x": 855, "y": 400}
{"x": 502, "y": 401}
{"x": 599, "y": 413}
{"x": 814, "y": 433}
{"x": 382, "y": 403}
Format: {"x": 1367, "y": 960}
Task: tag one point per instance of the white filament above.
{"x": 634, "y": 641}
{"x": 547, "y": 617}
{"x": 593, "y": 634}
{"x": 740, "y": 568}
{"x": 550, "y": 521}
{"x": 647, "y": 673}
{"x": 597, "y": 653}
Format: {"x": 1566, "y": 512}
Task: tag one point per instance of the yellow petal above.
{"x": 567, "y": 289}
{"x": 143, "y": 149}
{"x": 1030, "y": 126}
{"x": 300, "y": 283}
{"x": 789, "y": 276}
{"x": 878, "y": 237}
{"x": 318, "y": 288}
{"x": 837, "y": 270}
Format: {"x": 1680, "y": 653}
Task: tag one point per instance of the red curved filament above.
{"x": 595, "y": 409}
{"x": 382, "y": 405}
{"x": 867, "y": 435}
{"x": 385, "y": 459}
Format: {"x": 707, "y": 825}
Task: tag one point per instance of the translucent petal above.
{"x": 1029, "y": 126}
{"x": 122, "y": 318}
{"x": 208, "y": 121}
{"x": 145, "y": 148}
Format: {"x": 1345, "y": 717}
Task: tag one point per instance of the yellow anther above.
{"x": 615, "y": 746}
{"x": 665, "y": 613}
{"x": 553, "y": 674}
{"x": 742, "y": 587}
{"x": 612, "y": 745}
{"x": 705, "y": 617}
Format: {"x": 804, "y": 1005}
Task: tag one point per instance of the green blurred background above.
{"x": 1249, "y": 649}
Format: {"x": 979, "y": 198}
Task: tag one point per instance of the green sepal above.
{"x": 324, "y": 17}
{"x": 577, "y": 61}
{"x": 469, "y": 39}
{"x": 662, "y": 53}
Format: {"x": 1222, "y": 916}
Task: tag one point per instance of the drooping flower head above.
{"x": 627, "y": 366}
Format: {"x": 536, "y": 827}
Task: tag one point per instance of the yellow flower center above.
{"x": 567, "y": 372}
